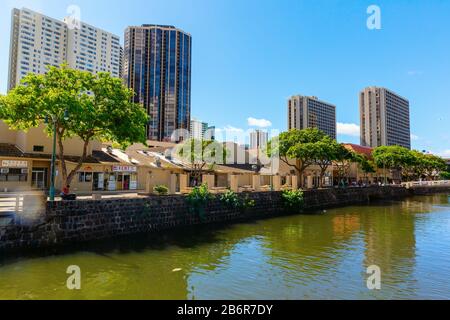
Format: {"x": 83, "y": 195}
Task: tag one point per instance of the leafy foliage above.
{"x": 412, "y": 164}
{"x": 307, "y": 147}
{"x": 198, "y": 199}
{"x": 392, "y": 157}
{"x": 161, "y": 190}
{"x": 366, "y": 165}
{"x": 201, "y": 154}
{"x": 445, "y": 175}
{"x": 428, "y": 165}
{"x": 293, "y": 200}
{"x": 99, "y": 108}
{"x": 296, "y": 145}
{"x": 247, "y": 203}
{"x": 232, "y": 200}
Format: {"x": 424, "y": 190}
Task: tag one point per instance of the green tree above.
{"x": 431, "y": 165}
{"x": 299, "y": 146}
{"x": 445, "y": 175}
{"x": 365, "y": 164}
{"x": 343, "y": 161}
{"x": 99, "y": 108}
{"x": 394, "y": 158}
{"x": 324, "y": 152}
{"x": 202, "y": 155}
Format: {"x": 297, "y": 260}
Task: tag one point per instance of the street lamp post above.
{"x": 53, "y": 163}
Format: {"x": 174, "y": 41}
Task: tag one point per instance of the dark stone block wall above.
{"x": 68, "y": 222}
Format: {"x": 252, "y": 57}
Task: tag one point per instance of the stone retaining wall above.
{"x": 61, "y": 223}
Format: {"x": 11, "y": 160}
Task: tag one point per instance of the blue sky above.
{"x": 249, "y": 56}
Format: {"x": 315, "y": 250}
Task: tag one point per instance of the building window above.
{"x": 84, "y": 176}
{"x": 13, "y": 174}
{"x": 38, "y": 148}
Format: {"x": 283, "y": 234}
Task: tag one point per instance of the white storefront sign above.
{"x": 14, "y": 164}
{"x": 124, "y": 169}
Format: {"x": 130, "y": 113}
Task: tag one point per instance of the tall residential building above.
{"x": 200, "y": 130}
{"x": 258, "y": 139}
{"x": 157, "y": 66}
{"x": 38, "y": 41}
{"x": 310, "y": 112}
{"x": 94, "y": 50}
{"x": 385, "y": 118}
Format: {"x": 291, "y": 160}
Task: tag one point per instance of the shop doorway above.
{"x": 39, "y": 178}
{"x": 126, "y": 181}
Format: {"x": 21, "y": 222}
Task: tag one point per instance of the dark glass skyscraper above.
{"x": 157, "y": 66}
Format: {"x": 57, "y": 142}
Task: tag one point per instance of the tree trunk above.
{"x": 62, "y": 162}
{"x": 71, "y": 175}
{"x": 322, "y": 175}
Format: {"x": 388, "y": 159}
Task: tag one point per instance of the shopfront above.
{"x": 14, "y": 174}
{"x": 117, "y": 178}
{"x": 125, "y": 177}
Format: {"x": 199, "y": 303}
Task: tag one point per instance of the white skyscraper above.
{"x": 201, "y": 131}
{"x": 38, "y": 41}
{"x": 258, "y": 139}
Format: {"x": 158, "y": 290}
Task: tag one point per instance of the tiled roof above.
{"x": 103, "y": 156}
{"x": 10, "y": 150}
{"x": 359, "y": 149}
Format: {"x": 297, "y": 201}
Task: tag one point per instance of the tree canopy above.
{"x": 202, "y": 155}
{"x": 79, "y": 104}
{"x": 411, "y": 163}
{"x": 303, "y": 148}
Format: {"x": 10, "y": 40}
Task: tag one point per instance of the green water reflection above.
{"x": 322, "y": 256}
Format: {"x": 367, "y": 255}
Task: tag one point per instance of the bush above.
{"x": 247, "y": 203}
{"x": 445, "y": 175}
{"x": 293, "y": 200}
{"x": 198, "y": 200}
{"x": 230, "y": 199}
{"x": 161, "y": 190}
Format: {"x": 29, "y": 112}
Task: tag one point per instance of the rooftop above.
{"x": 359, "y": 149}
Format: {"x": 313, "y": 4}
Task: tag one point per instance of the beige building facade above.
{"x": 385, "y": 118}
{"x": 310, "y": 112}
{"x": 25, "y": 161}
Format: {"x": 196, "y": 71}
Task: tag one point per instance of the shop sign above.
{"x": 14, "y": 164}
{"x": 124, "y": 169}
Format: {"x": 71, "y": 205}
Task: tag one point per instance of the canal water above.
{"x": 320, "y": 256}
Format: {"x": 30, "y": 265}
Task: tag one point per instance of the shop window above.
{"x": 100, "y": 181}
{"x": 38, "y": 148}
{"x": 85, "y": 176}
{"x": 13, "y": 174}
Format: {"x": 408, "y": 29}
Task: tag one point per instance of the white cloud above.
{"x": 230, "y": 133}
{"x": 348, "y": 129}
{"x": 442, "y": 153}
{"x": 414, "y": 137}
{"x": 229, "y": 129}
{"x": 445, "y": 154}
{"x": 262, "y": 123}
